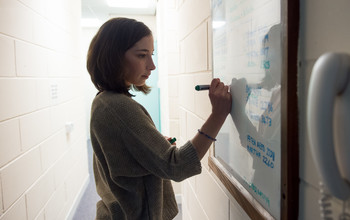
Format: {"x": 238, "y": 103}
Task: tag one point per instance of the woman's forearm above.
{"x": 211, "y": 127}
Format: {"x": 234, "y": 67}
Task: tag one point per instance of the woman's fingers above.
{"x": 220, "y": 97}
{"x": 213, "y": 84}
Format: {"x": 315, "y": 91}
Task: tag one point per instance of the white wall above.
{"x": 168, "y": 67}
{"x": 42, "y": 168}
{"x": 323, "y": 29}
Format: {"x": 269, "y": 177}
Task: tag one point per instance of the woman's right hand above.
{"x": 220, "y": 98}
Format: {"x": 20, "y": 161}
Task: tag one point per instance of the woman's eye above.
{"x": 142, "y": 55}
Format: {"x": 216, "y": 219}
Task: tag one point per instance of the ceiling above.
{"x": 98, "y": 9}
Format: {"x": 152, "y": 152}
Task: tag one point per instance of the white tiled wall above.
{"x": 18, "y": 211}
{"x": 168, "y": 68}
{"x": 19, "y": 175}
{"x": 322, "y": 29}
{"x": 9, "y": 136}
{"x": 42, "y": 168}
{"x": 40, "y": 193}
{"x": 7, "y": 53}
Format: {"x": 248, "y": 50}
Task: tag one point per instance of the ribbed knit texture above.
{"x": 134, "y": 163}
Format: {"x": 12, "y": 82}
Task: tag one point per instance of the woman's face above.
{"x": 138, "y": 62}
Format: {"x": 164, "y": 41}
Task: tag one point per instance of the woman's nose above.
{"x": 151, "y": 65}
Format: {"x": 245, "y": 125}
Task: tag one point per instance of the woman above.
{"x": 133, "y": 162}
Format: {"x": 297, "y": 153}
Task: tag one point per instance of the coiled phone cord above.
{"x": 325, "y": 203}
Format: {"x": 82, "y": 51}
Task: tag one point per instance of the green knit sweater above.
{"x": 134, "y": 163}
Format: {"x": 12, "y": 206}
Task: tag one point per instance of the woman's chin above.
{"x": 140, "y": 84}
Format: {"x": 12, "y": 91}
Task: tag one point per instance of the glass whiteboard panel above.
{"x": 247, "y": 54}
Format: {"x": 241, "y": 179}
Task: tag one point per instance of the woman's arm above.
{"x": 221, "y": 102}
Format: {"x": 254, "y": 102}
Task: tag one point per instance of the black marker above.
{"x": 172, "y": 140}
{"x": 202, "y": 87}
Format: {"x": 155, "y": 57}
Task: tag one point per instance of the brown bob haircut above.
{"x": 105, "y": 59}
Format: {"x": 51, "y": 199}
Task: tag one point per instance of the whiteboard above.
{"x": 247, "y": 54}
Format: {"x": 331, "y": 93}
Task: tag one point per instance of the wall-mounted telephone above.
{"x": 328, "y": 121}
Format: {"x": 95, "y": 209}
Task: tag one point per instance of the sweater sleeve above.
{"x": 133, "y": 146}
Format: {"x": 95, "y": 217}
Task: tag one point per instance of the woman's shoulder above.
{"x": 114, "y": 99}
{"x": 117, "y": 102}
{"x": 119, "y": 106}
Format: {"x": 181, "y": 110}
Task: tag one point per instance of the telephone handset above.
{"x": 328, "y": 121}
